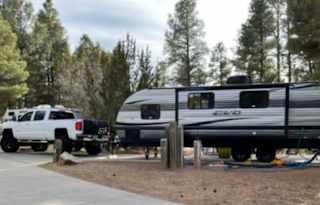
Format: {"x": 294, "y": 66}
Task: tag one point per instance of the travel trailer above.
{"x": 249, "y": 118}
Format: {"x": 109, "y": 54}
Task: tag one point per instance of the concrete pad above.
{"x": 22, "y": 182}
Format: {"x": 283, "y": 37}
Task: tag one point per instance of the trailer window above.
{"x": 39, "y": 115}
{"x": 201, "y": 101}
{"x": 150, "y": 112}
{"x": 254, "y": 99}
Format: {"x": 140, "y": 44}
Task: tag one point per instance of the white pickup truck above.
{"x": 42, "y": 126}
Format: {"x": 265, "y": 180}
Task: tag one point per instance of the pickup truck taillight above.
{"x": 78, "y": 126}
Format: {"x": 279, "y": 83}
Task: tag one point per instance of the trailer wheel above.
{"x": 39, "y": 147}
{"x": 266, "y": 154}
{"x": 9, "y": 143}
{"x": 93, "y": 149}
{"x": 241, "y": 154}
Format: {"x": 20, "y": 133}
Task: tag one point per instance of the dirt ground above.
{"x": 208, "y": 186}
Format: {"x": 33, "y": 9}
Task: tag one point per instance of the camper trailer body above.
{"x": 252, "y": 115}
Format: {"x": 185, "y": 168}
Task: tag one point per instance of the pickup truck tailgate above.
{"x": 94, "y": 127}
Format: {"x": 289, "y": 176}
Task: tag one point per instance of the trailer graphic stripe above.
{"x": 228, "y": 105}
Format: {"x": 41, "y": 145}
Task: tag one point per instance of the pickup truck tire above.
{"x": 9, "y": 144}
{"x": 77, "y": 147}
{"x": 93, "y": 149}
{"x": 39, "y": 147}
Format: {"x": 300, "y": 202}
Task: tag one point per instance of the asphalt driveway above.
{"x": 23, "y": 182}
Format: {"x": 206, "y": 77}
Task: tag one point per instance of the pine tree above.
{"x": 88, "y": 62}
{"x": 287, "y": 27}
{"x": 246, "y": 52}
{"x": 185, "y": 46}
{"x": 255, "y": 44}
{"x": 160, "y": 76}
{"x": 219, "y": 64}
{"x": 19, "y": 14}
{"x": 47, "y": 56}
{"x": 118, "y": 80}
{"x": 12, "y": 68}
{"x": 145, "y": 69}
{"x": 129, "y": 49}
{"x": 305, "y": 32}
{"x": 279, "y": 12}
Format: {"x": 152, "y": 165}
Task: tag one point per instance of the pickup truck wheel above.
{"x": 39, "y": 147}
{"x": 241, "y": 154}
{"x": 9, "y": 143}
{"x": 93, "y": 149}
{"x": 266, "y": 154}
{"x": 77, "y": 147}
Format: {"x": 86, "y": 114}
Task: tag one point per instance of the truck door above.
{"x": 22, "y": 130}
{"x": 39, "y": 131}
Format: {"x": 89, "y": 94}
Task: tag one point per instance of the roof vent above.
{"x": 239, "y": 79}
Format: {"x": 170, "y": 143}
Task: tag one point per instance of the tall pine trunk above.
{"x": 278, "y": 44}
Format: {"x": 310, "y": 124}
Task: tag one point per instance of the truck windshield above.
{"x": 60, "y": 115}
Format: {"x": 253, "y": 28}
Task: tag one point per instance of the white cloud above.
{"x": 107, "y": 21}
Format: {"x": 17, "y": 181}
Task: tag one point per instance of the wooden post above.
{"x": 197, "y": 153}
{"x": 175, "y": 145}
{"x": 172, "y": 145}
{"x": 180, "y": 147}
{"x": 164, "y": 153}
{"x": 57, "y": 150}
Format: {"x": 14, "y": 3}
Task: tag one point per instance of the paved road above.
{"x": 22, "y": 182}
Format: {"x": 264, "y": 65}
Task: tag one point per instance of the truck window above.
{"x": 61, "y": 115}
{"x": 26, "y": 117}
{"x": 39, "y": 115}
{"x": 254, "y": 99}
{"x": 201, "y": 101}
{"x": 150, "y": 112}
{"x": 77, "y": 114}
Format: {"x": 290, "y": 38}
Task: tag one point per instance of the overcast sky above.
{"x": 107, "y": 21}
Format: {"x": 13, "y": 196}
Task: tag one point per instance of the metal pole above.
{"x": 287, "y": 110}
{"x": 177, "y": 107}
{"x": 197, "y": 146}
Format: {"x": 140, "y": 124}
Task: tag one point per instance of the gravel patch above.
{"x": 208, "y": 186}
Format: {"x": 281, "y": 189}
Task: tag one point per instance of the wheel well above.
{"x": 61, "y": 133}
{"x": 7, "y": 131}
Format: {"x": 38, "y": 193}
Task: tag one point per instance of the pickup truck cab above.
{"x": 43, "y": 125}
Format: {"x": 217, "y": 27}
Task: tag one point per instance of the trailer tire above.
{"x": 93, "y": 149}
{"x": 9, "y": 144}
{"x": 266, "y": 154}
{"x": 39, "y": 147}
{"x": 241, "y": 154}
